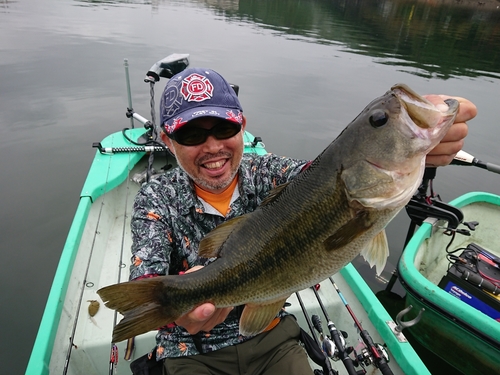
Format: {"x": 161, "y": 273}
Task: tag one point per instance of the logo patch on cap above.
{"x": 196, "y": 88}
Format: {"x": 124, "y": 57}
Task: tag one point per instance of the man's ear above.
{"x": 244, "y": 123}
{"x": 167, "y": 141}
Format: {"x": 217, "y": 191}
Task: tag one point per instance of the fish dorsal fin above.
{"x": 274, "y": 194}
{"x": 255, "y": 318}
{"x": 211, "y": 244}
{"x": 348, "y": 232}
{"x": 377, "y": 251}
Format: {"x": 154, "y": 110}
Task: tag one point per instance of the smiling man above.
{"x": 202, "y": 123}
{"x": 213, "y": 164}
{"x": 198, "y": 116}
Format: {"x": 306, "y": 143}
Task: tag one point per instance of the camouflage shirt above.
{"x": 169, "y": 221}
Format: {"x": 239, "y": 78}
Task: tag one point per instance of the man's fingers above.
{"x": 467, "y": 110}
{"x": 218, "y": 317}
{"x": 457, "y": 132}
{"x": 195, "y": 268}
{"x": 203, "y": 317}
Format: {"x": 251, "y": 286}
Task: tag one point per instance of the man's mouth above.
{"x": 215, "y": 164}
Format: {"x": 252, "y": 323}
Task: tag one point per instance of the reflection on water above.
{"x": 427, "y": 38}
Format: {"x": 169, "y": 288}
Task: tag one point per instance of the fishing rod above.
{"x": 317, "y": 356}
{"x": 464, "y": 158}
{"x": 335, "y": 349}
{"x": 377, "y": 351}
{"x": 308, "y": 320}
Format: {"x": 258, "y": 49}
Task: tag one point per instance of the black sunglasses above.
{"x": 192, "y": 135}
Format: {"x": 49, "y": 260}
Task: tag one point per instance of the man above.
{"x": 202, "y": 124}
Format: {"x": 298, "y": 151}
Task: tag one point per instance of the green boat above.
{"x": 74, "y": 336}
{"x": 453, "y": 277}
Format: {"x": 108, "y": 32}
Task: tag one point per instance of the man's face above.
{"x": 213, "y": 164}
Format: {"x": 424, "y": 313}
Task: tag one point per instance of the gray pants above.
{"x": 276, "y": 352}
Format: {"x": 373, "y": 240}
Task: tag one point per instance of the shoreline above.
{"x": 473, "y": 4}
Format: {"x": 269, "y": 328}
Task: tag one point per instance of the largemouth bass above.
{"x": 305, "y": 230}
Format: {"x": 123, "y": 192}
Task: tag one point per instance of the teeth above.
{"x": 214, "y": 165}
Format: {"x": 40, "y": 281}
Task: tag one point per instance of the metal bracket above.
{"x": 398, "y": 326}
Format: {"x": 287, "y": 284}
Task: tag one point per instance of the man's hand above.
{"x": 453, "y": 141}
{"x": 203, "y": 317}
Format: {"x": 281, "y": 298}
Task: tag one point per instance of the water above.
{"x": 305, "y": 69}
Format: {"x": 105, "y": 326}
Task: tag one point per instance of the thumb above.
{"x": 203, "y": 312}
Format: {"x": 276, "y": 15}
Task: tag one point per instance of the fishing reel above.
{"x": 327, "y": 344}
{"x": 366, "y": 358}
{"x": 329, "y": 347}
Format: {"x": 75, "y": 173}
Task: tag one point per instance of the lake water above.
{"x": 305, "y": 70}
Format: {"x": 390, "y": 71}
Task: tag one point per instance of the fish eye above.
{"x": 378, "y": 118}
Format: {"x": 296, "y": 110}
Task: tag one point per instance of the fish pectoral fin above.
{"x": 348, "y": 232}
{"x": 211, "y": 244}
{"x": 377, "y": 251}
{"x": 257, "y": 317}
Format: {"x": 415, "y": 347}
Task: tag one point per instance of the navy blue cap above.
{"x": 198, "y": 92}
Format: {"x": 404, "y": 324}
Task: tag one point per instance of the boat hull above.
{"x": 97, "y": 253}
{"x": 463, "y": 336}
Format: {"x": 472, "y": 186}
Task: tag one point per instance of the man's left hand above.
{"x": 453, "y": 141}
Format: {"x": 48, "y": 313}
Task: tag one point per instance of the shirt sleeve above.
{"x": 274, "y": 170}
{"x": 151, "y": 239}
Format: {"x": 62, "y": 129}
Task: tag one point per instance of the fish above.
{"x": 305, "y": 230}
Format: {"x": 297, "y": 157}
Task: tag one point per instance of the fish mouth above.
{"x": 423, "y": 113}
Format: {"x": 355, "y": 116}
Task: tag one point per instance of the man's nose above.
{"x": 212, "y": 144}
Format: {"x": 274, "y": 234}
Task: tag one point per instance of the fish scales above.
{"x": 296, "y": 237}
{"x": 306, "y": 230}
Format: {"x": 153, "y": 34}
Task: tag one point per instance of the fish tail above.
{"x": 126, "y": 296}
{"x": 142, "y": 304}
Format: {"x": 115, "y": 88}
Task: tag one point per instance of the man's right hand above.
{"x": 203, "y": 317}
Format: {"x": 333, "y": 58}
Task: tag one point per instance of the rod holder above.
{"x": 398, "y": 326}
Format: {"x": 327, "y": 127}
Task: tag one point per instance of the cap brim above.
{"x": 229, "y": 114}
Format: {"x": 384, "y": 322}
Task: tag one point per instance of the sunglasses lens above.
{"x": 192, "y": 136}
{"x": 225, "y": 130}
